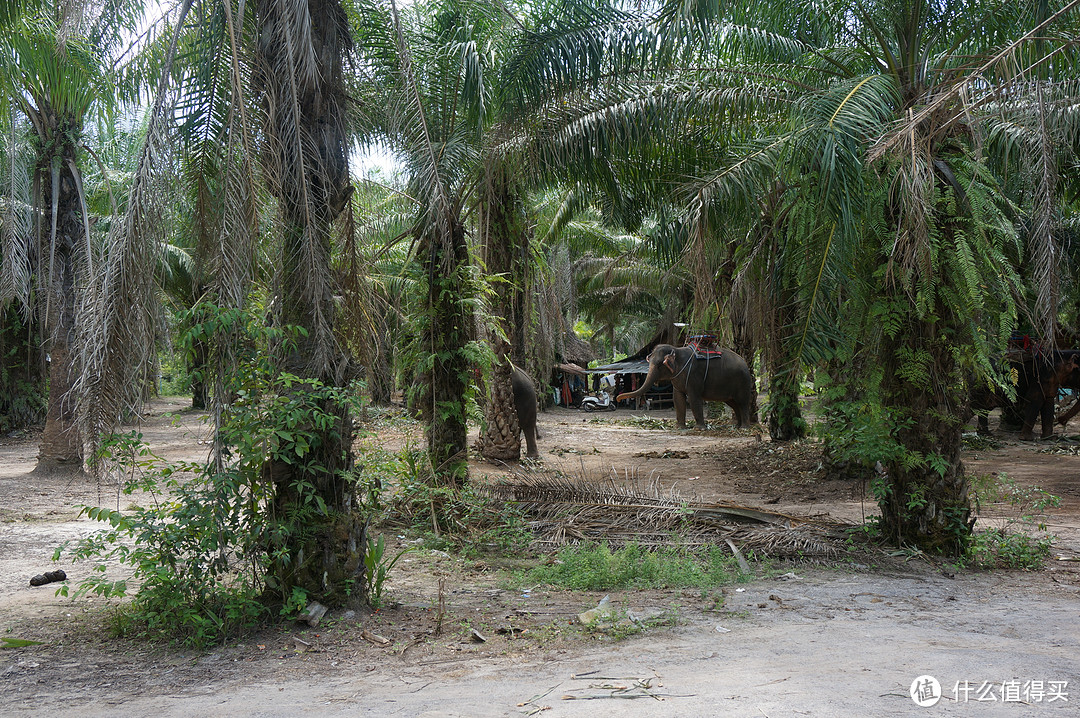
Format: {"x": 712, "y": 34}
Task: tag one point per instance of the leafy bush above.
{"x": 1000, "y": 548}
{"x": 216, "y": 547}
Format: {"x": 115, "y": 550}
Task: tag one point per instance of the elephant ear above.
{"x": 669, "y": 362}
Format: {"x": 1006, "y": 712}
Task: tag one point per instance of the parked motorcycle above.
{"x": 599, "y": 402}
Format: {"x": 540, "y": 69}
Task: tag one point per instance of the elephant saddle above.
{"x": 705, "y": 347}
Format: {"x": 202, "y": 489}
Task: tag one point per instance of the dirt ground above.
{"x": 803, "y": 640}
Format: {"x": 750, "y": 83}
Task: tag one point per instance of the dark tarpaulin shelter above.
{"x": 631, "y": 371}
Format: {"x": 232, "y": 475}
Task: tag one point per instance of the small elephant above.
{"x": 525, "y": 403}
{"x": 700, "y": 378}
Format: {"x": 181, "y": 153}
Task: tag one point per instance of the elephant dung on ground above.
{"x": 525, "y": 403}
{"x": 697, "y": 378}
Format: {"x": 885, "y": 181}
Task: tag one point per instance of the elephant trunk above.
{"x": 650, "y": 378}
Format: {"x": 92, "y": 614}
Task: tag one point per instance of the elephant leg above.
{"x": 1046, "y": 412}
{"x": 1032, "y": 408}
{"x": 740, "y": 413}
{"x": 697, "y": 405}
{"x": 679, "y": 399}
{"x": 530, "y": 441}
{"x": 525, "y": 405}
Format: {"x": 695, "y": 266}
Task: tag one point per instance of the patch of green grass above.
{"x": 596, "y": 567}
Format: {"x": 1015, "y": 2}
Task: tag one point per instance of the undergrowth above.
{"x": 215, "y": 548}
{"x": 1016, "y": 535}
{"x": 596, "y": 567}
{"x": 460, "y": 518}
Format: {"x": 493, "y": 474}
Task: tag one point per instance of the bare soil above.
{"x": 804, "y": 640}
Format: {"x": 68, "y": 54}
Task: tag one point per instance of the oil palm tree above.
{"x": 301, "y": 55}
{"x": 850, "y": 142}
{"x": 412, "y": 98}
{"x": 243, "y": 82}
{"x": 897, "y": 211}
{"x": 62, "y": 68}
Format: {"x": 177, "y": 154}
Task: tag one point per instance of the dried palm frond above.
{"x": 117, "y": 321}
{"x": 16, "y": 266}
{"x": 1045, "y": 245}
{"x": 566, "y": 509}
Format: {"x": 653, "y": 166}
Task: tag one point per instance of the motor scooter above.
{"x": 599, "y": 402}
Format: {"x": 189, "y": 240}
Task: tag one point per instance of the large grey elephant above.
{"x": 525, "y": 403}
{"x": 700, "y": 378}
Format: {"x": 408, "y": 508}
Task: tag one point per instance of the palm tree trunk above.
{"x": 308, "y": 169}
{"x": 502, "y": 437}
{"x": 926, "y": 502}
{"x": 743, "y": 344}
{"x": 447, "y": 334}
{"x": 200, "y": 365}
{"x": 785, "y": 416}
{"x": 61, "y": 442}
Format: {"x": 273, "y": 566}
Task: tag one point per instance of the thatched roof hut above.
{"x": 571, "y": 349}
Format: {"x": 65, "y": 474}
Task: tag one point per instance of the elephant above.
{"x": 525, "y": 403}
{"x": 1040, "y": 380}
{"x": 1039, "y": 376}
{"x": 697, "y": 378}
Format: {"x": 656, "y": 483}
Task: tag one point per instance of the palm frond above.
{"x": 117, "y": 327}
{"x": 16, "y": 268}
{"x": 564, "y": 509}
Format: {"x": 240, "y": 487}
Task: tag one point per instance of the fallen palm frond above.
{"x": 564, "y": 509}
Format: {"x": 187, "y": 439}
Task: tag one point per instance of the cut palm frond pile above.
{"x": 564, "y": 509}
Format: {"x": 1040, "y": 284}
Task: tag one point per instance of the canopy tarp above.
{"x": 626, "y": 366}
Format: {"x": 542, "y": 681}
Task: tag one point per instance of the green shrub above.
{"x": 1000, "y": 548}
{"x": 216, "y": 550}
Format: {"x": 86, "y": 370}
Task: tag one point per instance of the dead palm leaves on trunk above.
{"x": 567, "y": 509}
